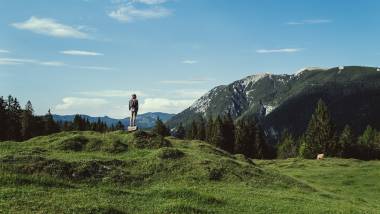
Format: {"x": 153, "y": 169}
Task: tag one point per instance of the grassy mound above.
{"x": 88, "y": 172}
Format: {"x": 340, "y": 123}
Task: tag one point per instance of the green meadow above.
{"x": 117, "y": 172}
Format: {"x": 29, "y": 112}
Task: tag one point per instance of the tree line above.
{"x": 243, "y": 137}
{"x": 321, "y": 136}
{"x": 19, "y": 124}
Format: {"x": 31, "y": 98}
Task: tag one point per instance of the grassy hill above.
{"x": 88, "y": 172}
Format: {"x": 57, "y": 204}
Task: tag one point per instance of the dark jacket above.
{"x": 134, "y": 104}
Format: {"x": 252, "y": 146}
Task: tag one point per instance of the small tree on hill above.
{"x": 218, "y": 137}
{"x": 319, "y": 137}
{"x": 180, "y": 133}
{"x": 209, "y": 129}
{"x": 160, "y": 128}
{"x": 288, "y": 147}
{"x": 201, "y": 129}
{"x": 229, "y": 133}
{"x": 119, "y": 126}
{"x": 27, "y": 121}
{"x": 346, "y": 143}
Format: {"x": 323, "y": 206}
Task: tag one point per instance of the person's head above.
{"x": 134, "y": 96}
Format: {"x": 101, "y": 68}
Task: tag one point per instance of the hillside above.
{"x": 146, "y": 120}
{"x": 88, "y": 172}
{"x": 351, "y": 93}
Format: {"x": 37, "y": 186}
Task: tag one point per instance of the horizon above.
{"x": 89, "y": 56}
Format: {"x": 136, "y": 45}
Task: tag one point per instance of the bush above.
{"x": 76, "y": 143}
{"x": 215, "y": 174}
{"x": 145, "y": 140}
{"x": 170, "y": 153}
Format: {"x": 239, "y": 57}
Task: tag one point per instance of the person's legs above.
{"x": 134, "y": 118}
{"x": 131, "y": 119}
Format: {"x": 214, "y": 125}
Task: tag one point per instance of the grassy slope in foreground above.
{"x": 87, "y": 172}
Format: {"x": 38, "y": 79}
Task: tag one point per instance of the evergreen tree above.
{"x": 288, "y": 147}
{"x": 201, "y": 129}
{"x": 14, "y": 119}
{"x": 229, "y": 133}
{"x": 50, "y": 125}
{"x": 3, "y": 119}
{"x": 119, "y": 126}
{"x": 209, "y": 129}
{"x": 193, "y": 131}
{"x": 218, "y": 138}
{"x": 180, "y": 132}
{"x": 245, "y": 136}
{"x": 27, "y": 121}
{"x": 367, "y": 144}
{"x": 160, "y": 128}
{"x": 319, "y": 137}
{"x": 346, "y": 143}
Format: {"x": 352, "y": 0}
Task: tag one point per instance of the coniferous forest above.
{"x": 17, "y": 123}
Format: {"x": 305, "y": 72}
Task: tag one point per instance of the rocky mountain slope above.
{"x": 290, "y": 99}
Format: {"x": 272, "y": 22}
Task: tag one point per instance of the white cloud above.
{"x": 283, "y": 50}
{"x": 184, "y": 82}
{"x": 130, "y": 13}
{"x": 151, "y": 2}
{"x": 111, "y": 93}
{"x": 77, "y": 105}
{"x": 165, "y": 105}
{"x": 310, "y": 21}
{"x": 188, "y": 61}
{"x": 80, "y": 53}
{"x": 4, "y": 51}
{"x": 16, "y": 61}
{"x": 99, "y": 68}
{"x": 50, "y": 27}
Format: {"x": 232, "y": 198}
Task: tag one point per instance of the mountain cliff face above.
{"x": 351, "y": 92}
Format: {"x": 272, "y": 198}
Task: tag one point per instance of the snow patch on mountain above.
{"x": 299, "y": 72}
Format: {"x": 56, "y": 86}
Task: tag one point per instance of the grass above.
{"x": 88, "y": 172}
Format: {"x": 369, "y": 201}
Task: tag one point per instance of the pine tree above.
{"x": 50, "y": 125}
{"x": 160, "y": 128}
{"x": 119, "y": 126}
{"x": 193, "y": 131}
{"x": 346, "y": 143}
{"x": 229, "y": 133}
{"x": 287, "y": 147}
{"x": 3, "y": 119}
{"x": 366, "y": 144}
{"x": 180, "y": 132}
{"x": 27, "y": 121}
{"x": 245, "y": 137}
{"x": 209, "y": 129}
{"x": 218, "y": 136}
{"x": 201, "y": 129}
{"x": 14, "y": 119}
{"x": 319, "y": 137}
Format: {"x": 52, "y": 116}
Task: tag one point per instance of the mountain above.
{"x": 351, "y": 93}
{"x": 146, "y": 120}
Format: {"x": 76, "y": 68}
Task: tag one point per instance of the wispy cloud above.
{"x": 282, "y": 50}
{"x": 111, "y": 93}
{"x": 17, "y": 61}
{"x": 130, "y": 13}
{"x": 165, "y": 105}
{"x": 50, "y": 27}
{"x": 100, "y": 68}
{"x": 189, "y": 61}
{"x": 151, "y": 2}
{"x": 310, "y": 21}
{"x": 184, "y": 82}
{"x": 79, "y": 105}
{"x": 80, "y": 53}
{"x": 4, "y": 51}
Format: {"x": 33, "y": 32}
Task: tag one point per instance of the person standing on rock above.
{"x": 133, "y": 107}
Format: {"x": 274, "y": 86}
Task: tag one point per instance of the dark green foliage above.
{"x": 215, "y": 174}
{"x": 119, "y": 126}
{"x": 245, "y": 138}
{"x": 192, "y": 132}
{"x": 77, "y": 143}
{"x": 148, "y": 140}
{"x": 218, "y": 138}
{"x": 160, "y": 128}
{"x": 368, "y": 144}
{"x": 209, "y": 129}
{"x": 180, "y": 132}
{"x": 201, "y": 129}
{"x": 346, "y": 143}
{"x": 288, "y": 148}
{"x": 319, "y": 137}
{"x": 229, "y": 133}
{"x": 170, "y": 153}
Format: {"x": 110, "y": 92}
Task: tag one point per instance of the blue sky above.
{"x": 88, "y": 56}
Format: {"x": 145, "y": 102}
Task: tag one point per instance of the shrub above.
{"x": 170, "y": 153}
